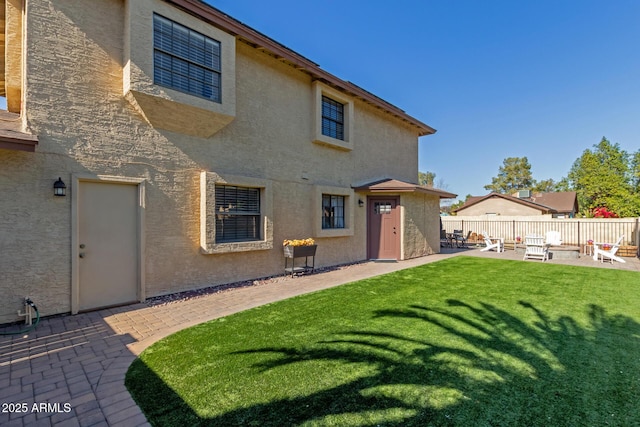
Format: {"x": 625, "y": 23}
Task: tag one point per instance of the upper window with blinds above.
{"x": 237, "y": 213}
{"x": 186, "y": 60}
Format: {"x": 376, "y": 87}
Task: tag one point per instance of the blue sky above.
{"x": 541, "y": 79}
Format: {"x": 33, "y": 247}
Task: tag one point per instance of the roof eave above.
{"x": 10, "y": 140}
{"x": 435, "y": 192}
{"x": 377, "y": 188}
{"x": 28, "y": 146}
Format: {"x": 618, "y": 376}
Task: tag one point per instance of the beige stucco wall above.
{"x": 498, "y": 206}
{"x": 421, "y": 219}
{"x": 75, "y": 103}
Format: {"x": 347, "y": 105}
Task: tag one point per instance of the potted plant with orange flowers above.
{"x": 294, "y": 248}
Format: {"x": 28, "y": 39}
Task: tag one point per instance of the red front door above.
{"x": 383, "y": 228}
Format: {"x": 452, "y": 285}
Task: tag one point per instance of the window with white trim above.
{"x": 333, "y": 211}
{"x": 186, "y": 60}
{"x": 237, "y": 213}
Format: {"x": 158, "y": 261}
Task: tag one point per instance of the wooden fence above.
{"x": 574, "y": 231}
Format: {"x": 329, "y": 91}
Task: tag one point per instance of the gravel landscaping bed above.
{"x": 187, "y": 295}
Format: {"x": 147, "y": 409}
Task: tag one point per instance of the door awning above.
{"x": 389, "y": 185}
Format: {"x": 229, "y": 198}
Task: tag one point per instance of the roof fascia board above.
{"x": 9, "y": 144}
{"x": 11, "y": 140}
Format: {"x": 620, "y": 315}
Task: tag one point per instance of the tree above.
{"x": 635, "y": 171}
{"x": 440, "y": 184}
{"x": 513, "y": 175}
{"x": 429, "y": 179}
{"x": 563, "y": 185}
{"x": 426, "y": 178}
{"x": 603, "y": 178}
{"x": 544, "y": 186}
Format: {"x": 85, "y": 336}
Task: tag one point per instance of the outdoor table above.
{"x": 515, "y": 243}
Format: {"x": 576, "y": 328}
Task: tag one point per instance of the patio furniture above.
{"x": 461, "y": 240}
{"x": 607, "y": 250}
{"x": 444, "y": 240}
{"x": 518, "y": 242}
{"x": 491, "y": 243}
{"x": 588, "y": 249}
{"x": 553, "y": 238}
{"x": 535, "y": 248}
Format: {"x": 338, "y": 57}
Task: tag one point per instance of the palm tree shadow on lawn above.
{"x": 495, "y": 369}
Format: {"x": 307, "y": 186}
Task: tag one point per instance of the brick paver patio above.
{"x": 72, "y": 368}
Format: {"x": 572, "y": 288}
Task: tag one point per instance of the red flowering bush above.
{"x": 603, "y": 212}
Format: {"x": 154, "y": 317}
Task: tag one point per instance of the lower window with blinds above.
{"x": 237, "y": 214}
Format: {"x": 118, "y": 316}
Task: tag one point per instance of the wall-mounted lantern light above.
{"x": 59, "y": 189}
{"x": 360, "y": 203}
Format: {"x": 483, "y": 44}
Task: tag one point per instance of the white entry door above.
{"x": 107, "y": 242}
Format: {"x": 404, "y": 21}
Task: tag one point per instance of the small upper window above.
{"x": 186, "y": 60}
{"x": 332, "y": 118}
{"x": 382, "y": 208}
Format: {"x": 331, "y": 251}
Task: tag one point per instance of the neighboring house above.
{"x": 564, "y": 203}
{"x": 190, "y": 146}
{"x": 558, "y": 205}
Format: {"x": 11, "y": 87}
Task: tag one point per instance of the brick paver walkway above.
{"x": 70, "y": 370}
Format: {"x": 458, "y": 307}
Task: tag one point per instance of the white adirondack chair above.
{"x": 600, "y": 253}
{"x": 536, "y": 248}
{"x": 496, "y": 243}
{"x": 553, "y": 238}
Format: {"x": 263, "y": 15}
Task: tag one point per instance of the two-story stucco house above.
{"x": 189, "y": 147}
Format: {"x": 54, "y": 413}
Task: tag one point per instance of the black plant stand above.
{"x": 293, "y": 252}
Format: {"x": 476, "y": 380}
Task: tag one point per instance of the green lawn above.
{"x": 461, "y": 342}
